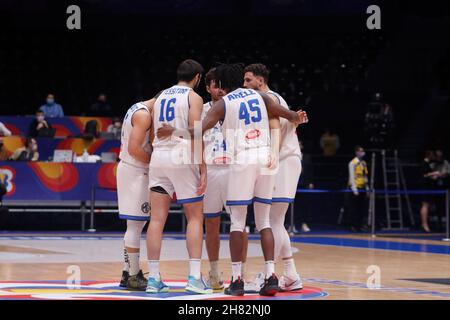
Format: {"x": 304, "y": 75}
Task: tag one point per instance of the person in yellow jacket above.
{"x": 358, "y": 182}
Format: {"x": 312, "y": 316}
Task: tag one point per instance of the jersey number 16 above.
{"x": 169, "y": 111}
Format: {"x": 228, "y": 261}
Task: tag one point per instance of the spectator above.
{"x": 429, "y": 177}
{"x": 4, "y": 130}
{"x": 52, "y": 109}
{"x": 27, "y": 153}
{"x": 443, "y": 167}
{"x": 40, "y": 127}
{"x": 329, "y": 142}
{"x": 115, "y": 128}
{"x": 358, "y": 183}
{"x": 90, "y": 130}
{"x": 101, "y": 107}
{"x": 304, "y": 200}
{"x": 3, "y": 191}
{"x": 3, "y": 153}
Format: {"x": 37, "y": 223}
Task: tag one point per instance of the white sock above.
{"x": 289, "y": 268}
{"x": 153, "y": 268}
{"x": 126, "y": 259}
{"x": 214, "y": 267}
{"x": 243, "y": 270}
{"x": 194, "y": 268}
{"x": 269, "y": 268}
{"x": 236, "y": 268}
{"x": 134, "y": 263}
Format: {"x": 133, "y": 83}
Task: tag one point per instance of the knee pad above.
{"x": 238, "y": 217}
{"x": 132, "y": 238}
{"x": 262, "y": 216}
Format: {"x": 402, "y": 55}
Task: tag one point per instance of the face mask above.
{"x": 40, "y": 118}
{"x": 50, "y": 101}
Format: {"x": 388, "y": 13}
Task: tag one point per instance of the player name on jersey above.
{"x": 240, "y": 94}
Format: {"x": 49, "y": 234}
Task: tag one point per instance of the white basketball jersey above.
{"x": 125, "y": 136}
{"x": 246, "y": 123}
{"x": 289, "y": 139}
{"x": 171, "y": 107}
{"x": 215, "y": 146}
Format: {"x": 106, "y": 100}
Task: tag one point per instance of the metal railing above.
{"x": 175, "y": 209}
{"x": 373, "y": 193}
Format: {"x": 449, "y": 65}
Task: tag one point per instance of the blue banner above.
{"x": 58, "y": 181}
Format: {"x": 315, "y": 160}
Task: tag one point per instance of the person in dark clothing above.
{"x": 40, "y": 127}
{"x": 29, "y": 152}
{"x": 303, "y": 201}
{"x": 3, "y": 210}
{"x": 101, "y": 107}
{"x": 429, "y": 177}
{"x": 90, "y": 130}
{"x": 2, "y": 191}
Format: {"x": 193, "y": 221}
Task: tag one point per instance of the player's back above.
{"x": 246, "y": 123}
{"x": 127, "y": 127}
{"x": 172, "y": 108}
{"x": 289, "y": 140}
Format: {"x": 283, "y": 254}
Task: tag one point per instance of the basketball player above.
{"x": 217, "y": 162}
{"x": 132, "y": 184}
{"x": 246, "y": 115}
{"x": 172, "y": 171}
{"x": 217, "y": 159}
{"x": 256, "y": 77}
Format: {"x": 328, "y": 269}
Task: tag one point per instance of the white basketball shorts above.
{"x": 132, "y": 192}
{"x": 286, "y": 179}
{"x": 182, "y": 179}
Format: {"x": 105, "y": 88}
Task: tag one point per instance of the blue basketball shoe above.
{"x": 198, "y": 286}
{"x": 156, "y": 285}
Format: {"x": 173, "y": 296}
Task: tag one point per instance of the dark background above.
{"x": 321, "y": 55}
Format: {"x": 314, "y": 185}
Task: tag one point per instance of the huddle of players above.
{"x": 251, "y": 156}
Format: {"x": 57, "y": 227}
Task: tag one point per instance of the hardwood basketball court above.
{"x": 332, "y": 265}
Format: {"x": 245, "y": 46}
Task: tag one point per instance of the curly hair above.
{"x": 230, "y": 76}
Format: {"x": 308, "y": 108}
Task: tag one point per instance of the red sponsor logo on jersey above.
{"x": 222, "y": 160}
{"x": 253, "y": 134}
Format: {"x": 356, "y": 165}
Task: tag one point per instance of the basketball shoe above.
{"x": 137, "y": 282}
{"x": 198, "y": 286}
{"x": 155, "y": 285}
{"x": 236, "y": 287}
{"x": 290, "y": 284}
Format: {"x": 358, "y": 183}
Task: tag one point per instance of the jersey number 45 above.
{"x": 252, "y": 106}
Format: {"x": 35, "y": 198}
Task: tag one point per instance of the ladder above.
{"x": 394, "y": 185}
